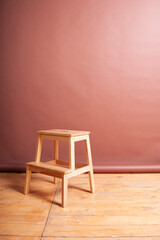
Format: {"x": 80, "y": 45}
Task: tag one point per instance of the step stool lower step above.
{"x": 52, "y": 169}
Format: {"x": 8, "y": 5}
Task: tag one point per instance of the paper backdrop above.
{"x": 81, "y": 65}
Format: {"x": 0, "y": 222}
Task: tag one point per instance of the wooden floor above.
{"x": 125, "y": 206}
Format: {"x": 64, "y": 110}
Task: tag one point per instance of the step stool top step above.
{"x": 64, "y": 133}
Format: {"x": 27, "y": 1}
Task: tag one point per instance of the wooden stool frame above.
{"x": 58, "y": 168}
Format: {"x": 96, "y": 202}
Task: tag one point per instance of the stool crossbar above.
{"x": 58, "y": 168}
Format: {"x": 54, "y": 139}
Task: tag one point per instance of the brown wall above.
{"x": 85, "y": 65}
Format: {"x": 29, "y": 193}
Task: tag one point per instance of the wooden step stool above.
{"x": 58, "y": 168}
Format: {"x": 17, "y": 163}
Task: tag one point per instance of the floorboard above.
{"x": 24, "y": 216}
{"x": 124, "y": 207}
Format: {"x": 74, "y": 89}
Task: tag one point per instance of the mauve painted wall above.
{"x": 84, "y": 65}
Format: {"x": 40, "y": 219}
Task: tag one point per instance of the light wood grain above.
{"x": 46, "y": 167}
{"x": 50, "y": 137}
{"x": 99, "y": 238}
{"x": 20, "y": 238}
{"x": 102, "y": 231}
{"x": 28, "y": 229}
{"x": 64, "y": 190}
{"x": 124, "y": 207}
{"x": 24, "y": 216}
{"x": 71, "y": 154}
{"x": 56, "y": 156}
{"x": 39, "y": 149}
{"x": 89, "y": 161}
{"x": 66, "y": 163}
{"x": 28, "y": 178}
{"x": 63, "y": 132}
{"x": 51, "y": 168}
{"x": 80, "y": 138}
{"x": 78, "y": 171}
{"x": 108, "y": 220}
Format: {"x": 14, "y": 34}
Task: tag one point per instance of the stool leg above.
{"x": 39, "y": 149}
{"x": 37, "y": 159}
{"x": 64, "y": 190}
{"x": 28, "y": 178}
{"x": 55, "y": 180}
{"x": 71, "y": 154}
{"x": 89, "y": 161}
{"x": 56, "y": 153}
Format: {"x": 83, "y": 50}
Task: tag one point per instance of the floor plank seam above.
{"x": 110, "y": 225}
{"x": 102, "y": 237}
{"x": 23, "y": 236}
{"x": 80, "y": 237}
{"x": 49, "y": 212}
